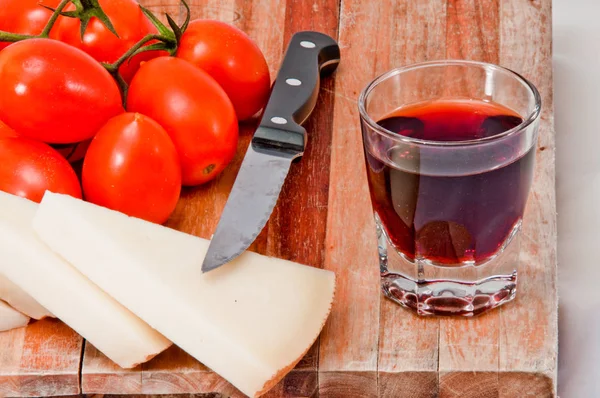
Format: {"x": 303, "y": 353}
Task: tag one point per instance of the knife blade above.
{"x": 279, "y": 140}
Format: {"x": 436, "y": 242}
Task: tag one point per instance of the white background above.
{"x": 576, "y": 27}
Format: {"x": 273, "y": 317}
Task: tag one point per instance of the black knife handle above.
{"x": 309, "y": 56}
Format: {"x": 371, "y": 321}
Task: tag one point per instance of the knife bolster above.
{"x": 290, "y": 141}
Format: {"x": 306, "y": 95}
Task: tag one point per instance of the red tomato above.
{"x": 194, "y": 110}
{"x": 6, "y": 131}
{"x": 129, "y": 22}
{"x": 24, "y": 16}
{"x": 132, "y": 166}
{"x": 232, "y": 59}
{"x": 55, "y": 93}
{"x": 30, "y": 168}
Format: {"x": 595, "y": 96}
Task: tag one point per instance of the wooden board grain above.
{"x": 370, "y": 347}
{"x": 348, "y": 349}
{"x": 528, "y": 329}
{"x": 42, "y": 359}
{"x": 300, "y": 206}
{"x": 469, "y": 348}
{"x": 100, "y": 374}
{"x": 408, "y": 344}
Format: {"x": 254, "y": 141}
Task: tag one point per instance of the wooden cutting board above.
{"x": 370, "y": 347}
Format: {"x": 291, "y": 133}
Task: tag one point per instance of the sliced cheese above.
{"x": 250, "y": 320}
{"x": 63, "y": 290}
{"x": 11, "y": 318}
{"x": 21, "y": 301}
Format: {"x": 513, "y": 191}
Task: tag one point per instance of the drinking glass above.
{"x": 448, "y": 211}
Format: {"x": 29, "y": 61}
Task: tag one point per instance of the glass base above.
{"x": 466, "y": 290}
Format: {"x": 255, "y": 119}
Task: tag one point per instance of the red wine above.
{"x": 451, "y": 218}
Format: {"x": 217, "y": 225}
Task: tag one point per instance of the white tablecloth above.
{"x": 577, "y": 116}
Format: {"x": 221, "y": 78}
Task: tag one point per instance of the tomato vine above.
{"x": 14, "y": 37}
{"x": 167, "y": 38}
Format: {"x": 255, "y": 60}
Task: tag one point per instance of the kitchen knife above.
{"x": 279, "y": 140}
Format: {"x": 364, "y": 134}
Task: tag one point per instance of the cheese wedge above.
{"x": 63, "y": 290}
{"x": 21, "y": 301}
{"x": 249, "y": 321}
{"x": 11, "y": 318}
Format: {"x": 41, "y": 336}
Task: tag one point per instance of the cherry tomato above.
{"x": 24, "y": 16}
{"x": 232, "y": 59}
{"x": 132, "y": 166}
{"x": 30, "y": 168}
{"x": 99, "y": 42}
{"x": 194, "y": 110}
{"x": 55, "y": 93}
{"x": 6, "y": 131}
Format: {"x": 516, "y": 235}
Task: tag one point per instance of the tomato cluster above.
{"x": 63, "y": 90}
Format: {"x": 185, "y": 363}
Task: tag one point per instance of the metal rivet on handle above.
{"x": 307, "y": 44}
{"x": 278, "y": 120}
{"x": 293, "y": 82}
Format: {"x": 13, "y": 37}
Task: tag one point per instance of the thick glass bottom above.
{"x": 462, "y": 290}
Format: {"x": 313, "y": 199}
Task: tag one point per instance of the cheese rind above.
{"x": 11, "y": 318}
{"x": 249, "y": 321}
{"x": 21, "y": 301}
{"x": 59, "y": 287}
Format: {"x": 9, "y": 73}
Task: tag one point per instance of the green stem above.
{"x": 112, "y": 68}
{"x": 13, "y": 37}
{"x": 123, "y": 86}
{"x": 46, "y": 32}
{"x": 168, "y": 38}
{"x": 87, "y": 4}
